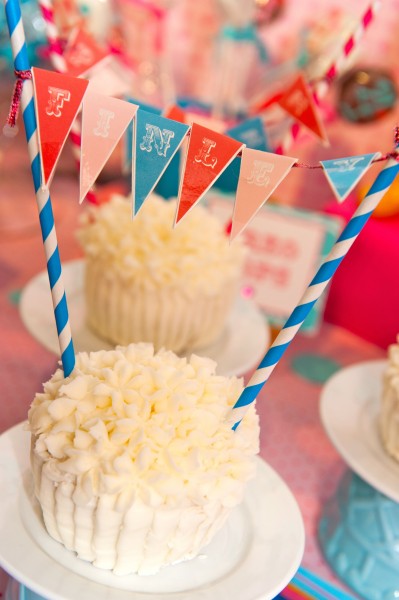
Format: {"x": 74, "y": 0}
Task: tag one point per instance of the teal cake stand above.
{"x": 359, "y": 526}
{"x": 359, "y": 536}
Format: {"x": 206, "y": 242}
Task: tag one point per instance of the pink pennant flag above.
{"x": 298, "y": 101}
{"x": 260, "y": 174}
{"x": 82, "y": 53}
{"x": 209, "y": 153}
{"x": 104, "y": 120}
{"x": 57, "y": 101}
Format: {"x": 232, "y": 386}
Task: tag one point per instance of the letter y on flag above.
{"x": 344, "y": 173}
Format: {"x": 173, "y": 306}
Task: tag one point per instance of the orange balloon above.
{"x": 389, "y": 205}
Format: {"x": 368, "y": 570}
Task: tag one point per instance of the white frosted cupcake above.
{"x": 389, "y": 412}
{"x": 149, "y": 282}
{"x": 134, "y": 464}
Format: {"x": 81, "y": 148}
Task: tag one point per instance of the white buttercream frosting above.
{"x": 128, "y": 434}
{"x": 195, "y": 255}
{"x": 389, "y": 414}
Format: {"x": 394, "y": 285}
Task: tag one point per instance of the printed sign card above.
{"x": 285, "y": 247}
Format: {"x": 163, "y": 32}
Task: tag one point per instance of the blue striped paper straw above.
{"x": 43, "y": 200}
{"x": 314, "y": 291}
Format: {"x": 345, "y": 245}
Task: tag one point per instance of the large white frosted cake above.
{"x": 134, "y": 464}
{"x": 389, "y": 412}
{"x": 149, "y": 282}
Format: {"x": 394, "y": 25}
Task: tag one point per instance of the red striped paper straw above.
{"x": 334, "y": 69}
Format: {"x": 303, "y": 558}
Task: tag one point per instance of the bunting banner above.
{"x": 57, "y": 102}
{"x": 104, "y": 121}
{"x": 209, "y": 153}
{"x": 298, "y": 101}
{"x": 260, "y": 174}
{"x": 157, "y": 140}
{"x": 344, "y": 173}
{"x": 82, "y": 53}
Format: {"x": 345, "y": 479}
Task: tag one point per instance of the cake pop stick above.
{"x": 43, "y": 200}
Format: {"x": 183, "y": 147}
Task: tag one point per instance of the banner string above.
{"x": 22, "y": 76}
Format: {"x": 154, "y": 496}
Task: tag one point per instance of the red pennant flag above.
{"x": 104, "y": 120}
{"x": 208, "y": 155}
{"x": 260, "y": 174}
{"x": 57, "y": 101}
{"x": 298, "y": 101}
{"x": 82, "y": 53}
{"x": 175, "y": 113}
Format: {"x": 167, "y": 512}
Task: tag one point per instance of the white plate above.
{"x": 349, "y": 410}
{"x": 239, "y": 349}
{"x": 253, "y": 557}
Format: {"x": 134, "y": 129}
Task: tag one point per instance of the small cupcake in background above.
{"x": 147, "y": 281}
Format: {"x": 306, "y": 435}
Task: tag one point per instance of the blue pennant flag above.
{"x": 252, "y": 133}
{"x": 344, "y": 173}
{"x": 128, "y": 146}
{"x": 156, "y": 142}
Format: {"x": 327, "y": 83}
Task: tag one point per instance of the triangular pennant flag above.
{"x": 157, "y": 141}
{"x": 82, "y": 53}
{"x": 209, "y": 153}
{"x": 298, "y": 101}
{"x": 260, "y": 174}
{"x": 251, "y": 132}
{"x": 104, "y": 120}
{"x": 344, "y": 173}
{"x": 57, "y": 101}
{"x": 128, "y": 145}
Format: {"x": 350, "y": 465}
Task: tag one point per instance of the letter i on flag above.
{"x": 209, "y": 153}
{"x": 344, "y": 173}
{"x": 260, "y": 174}
{"x": 104, "y": 120}
{"x": 57, "y": 101}
{"x": 157, "y": 141}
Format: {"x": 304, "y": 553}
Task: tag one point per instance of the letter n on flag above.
{"x": 260, "y": 174}
{"x": 157, "y": 141}
{"x": 57, "y": 101}
{"x": 104, "y": 121}
{"x": 208, "y": 155}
